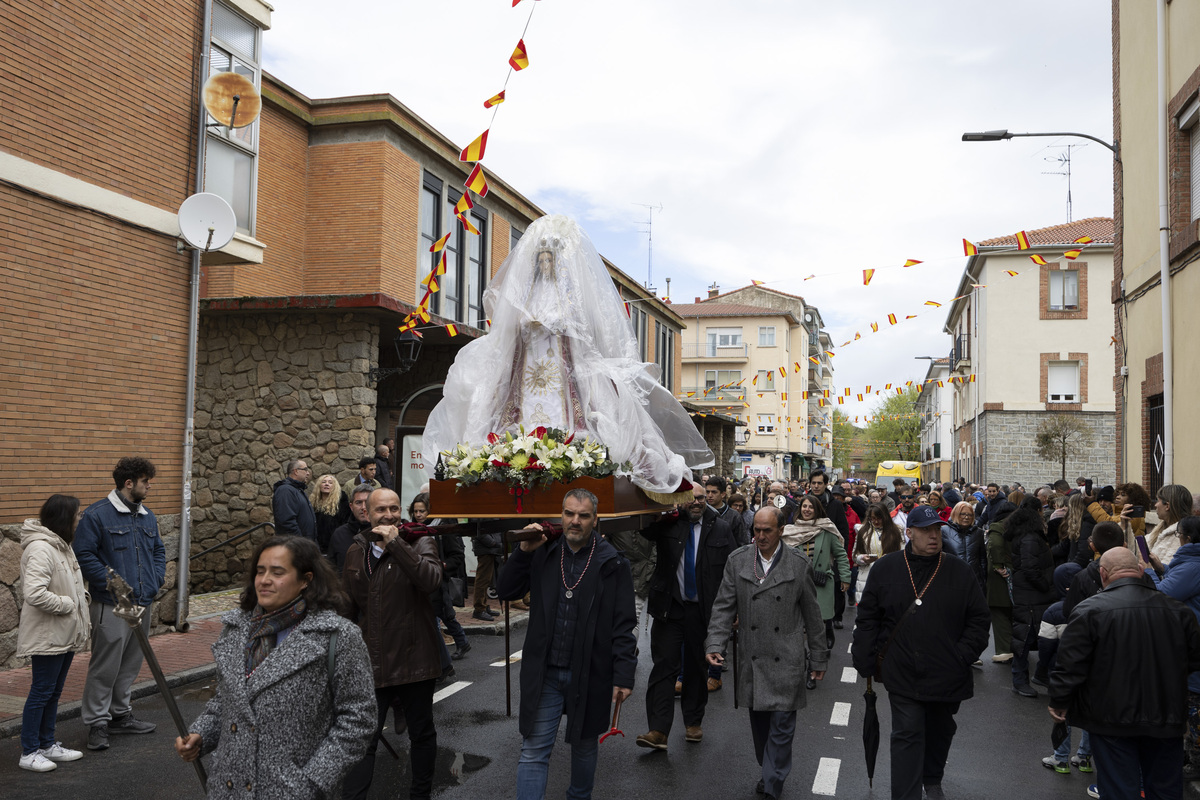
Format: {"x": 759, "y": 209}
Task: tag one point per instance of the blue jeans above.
{"x": 534, "y": 764}
{"x": 41, "y": 707}
{"x": 1063, "y": 753}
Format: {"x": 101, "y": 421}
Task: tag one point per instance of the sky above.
{"x": 781, "y": 138}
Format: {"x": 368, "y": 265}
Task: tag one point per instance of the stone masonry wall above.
{"x": 270, "y": 388}
{"x": 162, "y": 610}
{"x": 1010, "y": 452}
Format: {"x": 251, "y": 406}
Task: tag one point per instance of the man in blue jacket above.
{"x": 121, "y": 533}
{"x": 293, "y": 513}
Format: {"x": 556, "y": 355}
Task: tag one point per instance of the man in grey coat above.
{"x": 771, "y": 638}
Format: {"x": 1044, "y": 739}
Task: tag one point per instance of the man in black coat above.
{"x": 923, "y": 615}
{"x": 692, "y": 550}
{"x": 343, "y": 535}
{"x": 1121, "y": 675}
{"x": 383, "y": 472}
{"x": 579, "y": 646}
{"x": 293, "y": 513}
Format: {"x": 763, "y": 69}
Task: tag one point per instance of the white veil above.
{"x": 624, "y": 407}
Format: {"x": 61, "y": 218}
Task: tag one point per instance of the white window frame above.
{"x": 1064, "y": 285}
{"x": 1062, "y": 382}
{"x": 766, "y": 423}
{"x": 720, "y": 338}
{"x": 731, "y": 376}
{"x": 766, "y": 380}
{"x": 766, "y": 335}
{"x": 1188, "y": 120}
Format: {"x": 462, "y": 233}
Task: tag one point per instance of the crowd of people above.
{"x": 1078, "y": 591}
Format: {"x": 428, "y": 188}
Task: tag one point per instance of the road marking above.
{"x": 849, "y": 675}
{"x": 514, "y": 658}
{"x": 827, "y": 776}
{"x": 849, "y": 648}
{"x": 457, "y": 686}
{"x": 841, "y": 714}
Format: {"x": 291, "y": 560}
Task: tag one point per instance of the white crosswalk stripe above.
{"x": 825, "y": 782}
{"x": 453, "y": 688}
{"x": 841, "y": 714}
{"x": 512, "y": 659}
{"x": 849, "y": 675}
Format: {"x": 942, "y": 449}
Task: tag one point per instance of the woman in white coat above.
{"x": 876, "y": 537}
{"x": 54, "y": 626}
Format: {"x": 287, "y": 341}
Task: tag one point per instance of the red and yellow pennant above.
{"x": 431, "y": 281}
{"x": 758, "y": 283}
{"x": 467, "y": 224}
{"x": 494, "y": 100}
{"x": 520, "y": 57}
{"x": 1022, "y": 240}
{"x": 1038, "y": 260}
{"x": 969, "y": 249}
{"x": 867, "y": 275}
{"x": 912, "y": 262}
{"x": 1084, "y": 240}
{"x": 933, "y": 303}
{"x": 464, "y": 203}
{"x": 874, "y": 327}
{"x": 476, "y": 181}
{"x": 1071, "y": 255}
{"x": 475, "y": 150}
{"x": 452, "y": 329}
{"x": 441, "y": 270}
{"x": 1012, "y": 273}
{"x": 440, "y": 243}
{"x": 891, "y": 319}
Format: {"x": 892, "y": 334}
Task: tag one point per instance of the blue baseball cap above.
{"x": 923, "y": 517}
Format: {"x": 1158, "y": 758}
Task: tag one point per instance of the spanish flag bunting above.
{"x": 783, "y": 396}
{"x": 933, "y": 303}
{"x": 847, "y": 391}
{"x": 1071, "y": 255}
{"x": 874, "y": 327}
{"x": 1022, "y": 240}
{"x": 1012, "y": 273}
{"x": 1084, "y": 240}
{"x": 431, "y": 281}
{"x": 757, "y": 283}
{"x": 908, "y": 383}
{"x": 821, "y": 403}
{"x": 868, "y": 390}
{"x": 452, "y": 330}
{"x": 891, "y": 319}
{"x": 797, "y": 363}
{"x": 978, "y": 285}
{"x": 810, "y": 277}
{"x": 754, "y": 381}
{"x": 783, "y": 372}
{"x": 825, "y": 393}
{"x": 867, "y": 275}
{"x": 440, "y": 243}
{"x": 911, "y": 316}
{"x": 467, "y": 224}
{"x": 857, "y": 336}
{"x": 520, "y": 57}
{"x": 628, "y": 310}
{"x": 969, "y": 249}
{"x": 476, "y": 182}
{"x": 814, "y": 360}
{"x": 495, "y": 99}
{"x": 804, "y": 395}
{"x": 474, "y": 151}
{"x": 887, "y": 386}
{"x": 423, "y": 313}
{"x": 760, "y": 397}
{"x": 899, "y": 390}
{"x": 860, "y": 398}
{"x": 912, "y": 262}
{"x": 1038, "y": 260}
{"x": 441, "y": 270}
{"x": 691, "y": 394}
{"x": 941, "y": 384}
{"x": 464, "y": 203}
{"x": 841, "y": 401}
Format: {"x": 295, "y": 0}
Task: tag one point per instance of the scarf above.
{"x": 265, "y": 628}
{"x": 802, "y": 532}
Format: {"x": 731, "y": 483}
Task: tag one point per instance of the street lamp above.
{"x": 408, "y": 350}
{"x": 996, "y": 136}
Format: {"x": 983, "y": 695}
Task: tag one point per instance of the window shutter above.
{"x": 1070, "y": 280}
{"x": 1062, "y": 382}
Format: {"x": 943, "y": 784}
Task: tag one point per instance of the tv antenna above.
{"x": 1064, "y": 160}
{"x": 650, "y": 209}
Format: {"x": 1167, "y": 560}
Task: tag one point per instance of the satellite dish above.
{"x": 206, "y": 221}
{"x": 231, "y": 99}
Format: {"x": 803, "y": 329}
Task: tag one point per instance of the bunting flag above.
{"x": 829, "y": 353}
{"x": 972, "y": 377}
{"x": 495, "y": 99}
{"x": 1071, "y": 255}
{"x": 783, "y": 372}
{"x": 874, "y": 327}
{"x": 754, "y": 382}
{"x": 783, "y": 396}
{"x": 867, "y": 275}
{"x": 941, "y": 384}
{"x": 810, "y": 277}
{"x": 441, "y": 270}
{"x": 475, "y": 150}
{"x": 476, "y": 182}
{"x": 932, "y": 303}
{"x": 452, "y": 330}
{"x": 1022, "y": 240}
{"x": 912, "y": 262}
{"x": 857, "y": 336}
{"x": 431, "y": 281}
{"x": 758, "y": 283}
{"x": 797, "y": 366}
{"x": 978, "y": 285}
{"x": 440, "y": 243}
{"x": 868, "y": 388}
{"x": 841, "y": 401}
{"x": 467, "y": 223}
{"x": 847, "y": 392}
{"x": 423, "y": 313}
{"x": 520, "y": 57}
{"x": 891, "y": 319}
{"x": 815, "y": 360}
{"x": 1038, "y": 260}
{"x": 1084, "y": 240}
{"x": 969, "y": 249}
{"x": 911, "y": 316}
{"x": 825, "y": 393}
{"x": 464, "y": 203}
{"x": 1012, "y": 274}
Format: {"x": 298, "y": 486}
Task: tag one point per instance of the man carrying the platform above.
{"x": 581, "y": 622}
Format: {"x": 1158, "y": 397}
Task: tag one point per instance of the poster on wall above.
{"x": 412, "y": 469}
{"x": 757, "y": 471}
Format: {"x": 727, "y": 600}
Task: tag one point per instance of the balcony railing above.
{"x": 960, "y": 352}
{"x": 732, "y": 393}
{"x": 738, "y": 352}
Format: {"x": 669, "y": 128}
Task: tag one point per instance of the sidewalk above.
{"x": 184, "y": 658}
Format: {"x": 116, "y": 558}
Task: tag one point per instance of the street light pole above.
{"x": 1002, "y": 135}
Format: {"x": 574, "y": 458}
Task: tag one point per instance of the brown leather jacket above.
{"x": 391, "y": 605}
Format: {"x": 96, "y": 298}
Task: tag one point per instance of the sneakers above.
{"x": 1094, "y": 791}
{"x": 1061, "y": 767}
{"x": 56, "y": 752}
{"x": 1002, "y": 658}
{"x": 98, "y": 737}
{"x": 129, "y": 724}
{"x": 1025, "y": 690}
{"x": 1082, "y": 763}
{"x": 36, "y": 762}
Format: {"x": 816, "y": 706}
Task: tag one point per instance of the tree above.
{"x": 1062, "y": 437}
{"x": 894, "y": 432}
{"x": 845, "y": 437}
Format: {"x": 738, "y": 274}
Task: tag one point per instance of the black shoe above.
{"x": 98, "y": 737}
{"x": 933, "y": 791}
{"x": 129, "y": 724}
{"x": 760, "y": 789}
{"x": 491, "y": 612}
{"x": 829, "y": 640}
{"x": 446, "y": 676}
{"x": 482, "y": 615}
{"x": 837, "y": 623}
{"x": 461, "y": 651}
{"x": 1041, "y": 680}
{"x": 1025, "y": 690}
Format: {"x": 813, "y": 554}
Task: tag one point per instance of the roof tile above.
{"x": 1099, "y": 228}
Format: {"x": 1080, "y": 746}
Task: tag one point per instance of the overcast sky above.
{"x": 782, "y": 138}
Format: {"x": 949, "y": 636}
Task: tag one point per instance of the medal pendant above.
{"x": 570, "y": 594}
{"x": 918, "y": 599}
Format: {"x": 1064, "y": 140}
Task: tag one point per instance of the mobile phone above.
{"x": 1087, "y": 487}
{"x": 1137, "y": 512}
{"x": 1141, "y": 543}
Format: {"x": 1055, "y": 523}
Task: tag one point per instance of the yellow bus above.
{"x": 888, "y": 471}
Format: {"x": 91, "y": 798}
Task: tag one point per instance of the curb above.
{"x": 516, "y": 622}
{"x": 72, "y": 709}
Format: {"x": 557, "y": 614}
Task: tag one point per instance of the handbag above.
{"x": 456, "y": 589}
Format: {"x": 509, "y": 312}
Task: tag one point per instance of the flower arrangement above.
{"x": 538, "y": 458}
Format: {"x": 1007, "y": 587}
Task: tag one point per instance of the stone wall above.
{"x": 1010, "y": 451}
{"x": 270, "y": 388}
{"x": 162, "y": 610}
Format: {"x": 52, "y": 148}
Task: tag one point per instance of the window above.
{"x": 230, "y": 154}
{"x": 664, "y": 355}
{"x": 766, "y": 380}
{"x": 722, "y": 377}
{"x": 1187, "y": 121}
{"x": 722, "y": 337}
{"x": 766, "y": 335}
{"x": 1062, "y": 382}
{"x": 638, "y": 319}
{"x": 1064, "y": 290}
{"x": 766, "y": 423}
{"x": 460, "y": 296}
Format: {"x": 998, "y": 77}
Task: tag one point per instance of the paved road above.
{"x": 1000, "y": 742}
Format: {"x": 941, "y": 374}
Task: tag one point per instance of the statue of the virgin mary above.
{"x": 561, "y": 354}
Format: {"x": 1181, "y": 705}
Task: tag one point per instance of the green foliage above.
{"x": 894, "y": 431}
{"x": 1062, "y": 437}
{"x": 845, "y": 437}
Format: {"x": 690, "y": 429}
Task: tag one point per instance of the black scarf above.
{"x": 265, "y": 628}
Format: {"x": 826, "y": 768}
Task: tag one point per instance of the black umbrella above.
{"x": 870, "y": 733}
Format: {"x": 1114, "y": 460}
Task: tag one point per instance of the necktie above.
{"x": 689, "y": 565}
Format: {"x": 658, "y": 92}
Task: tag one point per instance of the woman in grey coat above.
{"x": 295, "y": 705}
